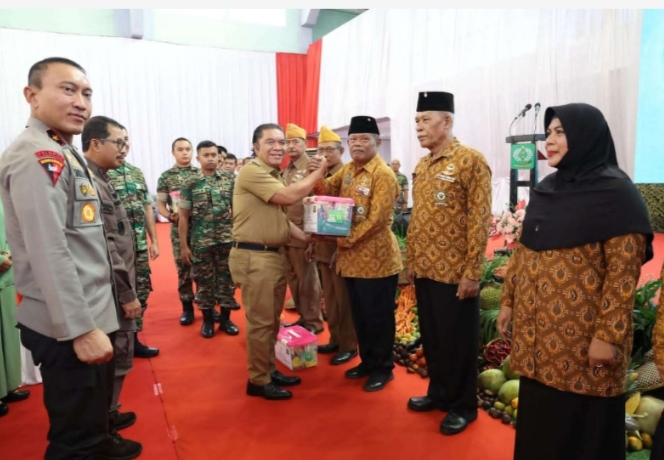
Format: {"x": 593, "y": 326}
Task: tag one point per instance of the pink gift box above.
{"x": 296, "y": 348}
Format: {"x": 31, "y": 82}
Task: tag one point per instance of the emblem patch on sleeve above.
{"x": 52, "y": 162}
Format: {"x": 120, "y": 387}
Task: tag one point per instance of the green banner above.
{"x": 523, "y": 156}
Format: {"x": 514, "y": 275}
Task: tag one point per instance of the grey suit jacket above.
{"x": 55, "y": 233}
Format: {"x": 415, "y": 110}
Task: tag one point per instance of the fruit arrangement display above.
{"x": 493, "y": 355}
{"x": 498, "y": 395}
{"x": 412, "y": 359}
{"x": 407, "y": 321}
{"x": 642, "y": 414}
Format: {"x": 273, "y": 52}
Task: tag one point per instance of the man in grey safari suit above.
{"x": 62, "y": 266}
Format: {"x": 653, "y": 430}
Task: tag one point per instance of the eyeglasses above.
{"x": 327, "y": 150}
{"x": 119, "y": 142}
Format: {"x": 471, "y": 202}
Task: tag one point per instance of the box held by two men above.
{"x": 328, "y": 215}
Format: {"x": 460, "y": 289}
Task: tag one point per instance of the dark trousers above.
{"x": 372, "y": 305}
{"x": 657, "y": 452}
{"x": 449, "y": 328}
{"x": 77, "y": 397}
{"x": 560, "y": 425}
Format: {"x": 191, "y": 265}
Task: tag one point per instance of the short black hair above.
{"x": 221, "y": 148}
{"x": 258, "y": 132}
{"x": 178, "y": 140}
{"x": 230, "y": 156}
{"x": 38, "y": 69}
{"x": 205, "y": 144}
{"x": 97, "y": 128}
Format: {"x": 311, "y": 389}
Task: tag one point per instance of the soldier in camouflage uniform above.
{"x": 130, "y": 185}
{"x": 401, "y": 203}
{"x": 171, "y": 181}
{"x": 206, "y": 203}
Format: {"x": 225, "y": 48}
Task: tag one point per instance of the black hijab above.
{"x": 589, "y": 198}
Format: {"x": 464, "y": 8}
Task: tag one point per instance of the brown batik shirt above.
{"x": 563, "y": 298}
{"x": 371, "y": 249}
{"x": 449, "y": 224}
{"x": 658, "y": 331}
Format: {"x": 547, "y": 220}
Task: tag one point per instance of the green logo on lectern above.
{"x": 522, "y": 156}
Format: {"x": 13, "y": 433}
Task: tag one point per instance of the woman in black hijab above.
{"x": 570, "y": 291}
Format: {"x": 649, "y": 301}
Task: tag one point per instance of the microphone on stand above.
{"x": 522, "y": 113}
{"x": 537, "y": 109}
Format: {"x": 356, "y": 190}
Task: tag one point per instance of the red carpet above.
{"x": 191, "y": 403}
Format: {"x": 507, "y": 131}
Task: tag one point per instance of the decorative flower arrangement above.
{"x": 510, "y": 223}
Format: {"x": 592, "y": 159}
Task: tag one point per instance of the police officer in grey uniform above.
{"x": 103, "y": 147}
{"x": 62, "y": 265}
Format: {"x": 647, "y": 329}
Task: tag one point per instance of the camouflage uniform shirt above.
{"x": 172, "y": 180}
{"x": 130, "y": 185}
{"x": 401, "y": 198}
{"x": 209, "y": 199}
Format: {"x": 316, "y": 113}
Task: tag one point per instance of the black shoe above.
{"x": 454, "y": 423}
{"x": 377, "y": 381}
{"x": 4, "y": 409}
{"x": 328, "y": 349}
{"x": 357, "y": 372}
{"x": 228, "y": 327}
{"x": 271, "y": 392}
{"x": 118, "y": 448}
{"x": 207, "y": 329}
{"x": 343, "y": 357}
{"x": 187, "y": 317}
{"x": 120, "y": 421}
{"x": 143, "y": 351}
{"x": 216, "y": 316}
{"x": 285, "y": 380}
{"x": 234, "y": 305}
{"x": 421, "y": 404}
{"x": 299, "y": 322}
{"x": 16, "y": 396}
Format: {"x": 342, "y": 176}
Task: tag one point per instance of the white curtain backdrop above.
{"x": 158, "y": 91}
{"x": 494, "y": 62}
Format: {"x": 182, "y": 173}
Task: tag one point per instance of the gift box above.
{"x": 296, "y": 348}
{"x": 328, "y": 215}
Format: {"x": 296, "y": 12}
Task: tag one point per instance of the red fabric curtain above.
{"x": 298, "y": 80}
{"x": 310, "y": 109}
{"x": 291, "y": 87}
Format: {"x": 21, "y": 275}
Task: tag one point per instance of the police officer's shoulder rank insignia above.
{"x": 52, "y": 162}
{"x": 54, "y": 136}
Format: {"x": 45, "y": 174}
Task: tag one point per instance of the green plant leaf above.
{"x": 488, "y": 331}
